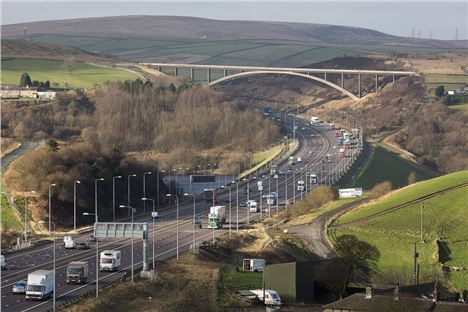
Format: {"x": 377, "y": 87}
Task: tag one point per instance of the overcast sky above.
{"x": 442, "y": 19}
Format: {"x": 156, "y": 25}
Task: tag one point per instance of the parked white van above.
{"x": 253, "y": 265}
{"x": 271, "y": 296}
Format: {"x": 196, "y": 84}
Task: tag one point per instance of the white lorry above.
{"x": 40, "y": 284}
{"x": 253, "y": 206}
{"x": 216, "y": 217}
{"x": 271, "y": 296}
{"x": 253, "y": 265}
{"x": 300, "y": 186}
{"x": 110, "y": 260}
{"x": 77, "y": 272}
{"x": 3, "y": 262}
{"x": 69, "y": 242}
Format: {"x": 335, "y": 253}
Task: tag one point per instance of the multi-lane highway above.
{"x": 314, "y": 143}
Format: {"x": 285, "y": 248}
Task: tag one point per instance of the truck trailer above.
{"x": 216, "y": 217}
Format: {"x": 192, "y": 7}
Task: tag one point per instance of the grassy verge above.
{"x": 463, "y": 106}
{"x": 385, "y": 165}
{"x": 261, "y": 158}
{"x": 395, "y": 233}
{"x": 82, "y": 76}
{"x": 9, "y": 218}
{"x": 234, "y": 279}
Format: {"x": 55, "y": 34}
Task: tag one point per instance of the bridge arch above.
{"x": 291, "y": 73}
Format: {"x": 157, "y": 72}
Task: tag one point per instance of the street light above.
{"x": 74, "y": 203}
{"x": 276, "y": 177}
{"x": 237, "y": 206}
{"x": 113, "y": 196}
{"x": 154, "y": 215}
{"x": 132, "y": 210}
{"x": 128, "y": 190}
{"x": 194, "y": 216}
{"x": 144, "y": 188}
{"x": 177, "y": 223}
{"x": 97, "y": 248}
{"x": 53, "y": 300}
{"x": 248, "y": 202}
{"x": 50, "y": 208}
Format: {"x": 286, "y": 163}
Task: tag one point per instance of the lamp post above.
{"x": 194, "y": 216}
{"x": 177, "y": 223}
{"x": 144, "y": 189}
{"x": 248, "y": 200}
{"x": 132, "y": 210}
{"x": 50, "y": 205}
{"x": 277, "y": 195}
{"x": 157, "y": 188}
{"x": 128, "y": 190}
{"x": 154, "y": 215}
{"x": 237, "y": 205}
{"x": 53, "y": 261}
{"x": 113, "y": 196}
{"x": 294, "y": 186}
{"x": 74, "y": 203}
{"x": 286, "y": 191}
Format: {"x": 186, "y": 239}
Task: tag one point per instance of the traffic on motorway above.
{"x": 323, "y": 155}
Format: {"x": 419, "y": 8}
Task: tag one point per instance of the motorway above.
{"x": 314, "y": 143}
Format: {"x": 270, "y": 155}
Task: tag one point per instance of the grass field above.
{"x": 394, "y": 234}
{"x": 450, "y": 82}
{"x": 9, "y": 218}
{"x": 385, "y": 165}
{"x": 459, "y": 106}
{"x": 239, "y": 280}
{"x": 82, "y": 76}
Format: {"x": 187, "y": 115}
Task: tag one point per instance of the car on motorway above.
{"x": 82, "y": 245}
{"x": 92, "y": 238}
{"x": 20, "y": 287}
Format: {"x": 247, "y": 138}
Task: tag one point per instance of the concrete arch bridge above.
{"x": 215, "y": 74}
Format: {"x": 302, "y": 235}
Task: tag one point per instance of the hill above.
{"x": 33, "y": 50}
{"x": 178, "y": 27}
{"x": 392, "y": 224}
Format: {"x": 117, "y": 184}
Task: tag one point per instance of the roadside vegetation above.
{"x": 186, "y": 284}
{"x": 394, "y": 234}
{"x": 386, "y": 165}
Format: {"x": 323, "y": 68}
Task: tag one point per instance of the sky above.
{"x": 425, "y": 19}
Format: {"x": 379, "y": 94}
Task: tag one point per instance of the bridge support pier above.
{"x": 376, "y": 83}
{"x": 176, "y": 71}
{"x": 342, "y": 80}
{"x": 325, "y": 76}
{"x": 159, "y": 68}
{"x": 192, "y": 74}
{"x": 225, "y": 72}
{"x": 393, "y": 78}
{"x": 208, "y": 75}
{"x": 359, "y": 85}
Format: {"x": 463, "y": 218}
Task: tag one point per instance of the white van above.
{"x": 110, "y": 260}
{"x": 253, "y": 206}
{"x": 69, "y": 242}
{"x": 271, "y": 296}
{"x": 40, "y": 284}
{"x": 3, "y": 262}
{"x": 253, "y": 265}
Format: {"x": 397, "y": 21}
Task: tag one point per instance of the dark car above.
{"x": 92, "y": 238}
{"x": 20, "y": 287}
{"x": 81, "y": 245}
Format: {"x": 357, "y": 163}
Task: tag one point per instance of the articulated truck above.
{"x": 216, "y": 217}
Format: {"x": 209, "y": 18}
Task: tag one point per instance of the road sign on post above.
{"x": 124, "y": 230}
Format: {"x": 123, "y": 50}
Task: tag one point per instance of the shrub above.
{"x": 381, "y": 189}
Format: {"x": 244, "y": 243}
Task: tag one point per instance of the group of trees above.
{"x": 437, "y": 137}
{"x": 25, "y": 81}
{"x": 139, "y": 116}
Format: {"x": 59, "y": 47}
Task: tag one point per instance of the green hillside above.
{"x": 385, "y": 165}
{"x": 83, "y": 75}
{"x": 394, "y": 234}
